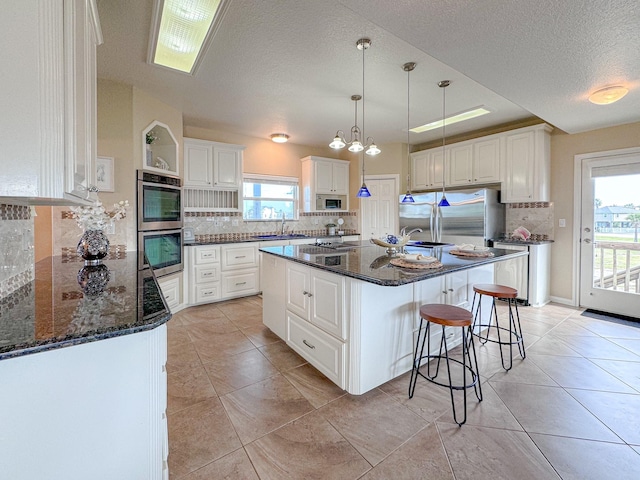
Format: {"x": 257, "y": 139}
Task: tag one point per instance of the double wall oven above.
{"x": 160, "y": 242}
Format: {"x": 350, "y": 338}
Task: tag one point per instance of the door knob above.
{"x": 587, "y": 240}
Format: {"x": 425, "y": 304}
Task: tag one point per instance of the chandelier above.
{"x": 356, "y": 142}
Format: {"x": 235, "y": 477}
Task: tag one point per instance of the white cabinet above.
{"x": 324, "y": 177}
{"x": 212, "y": 164}
{"x": 240, "y": 269}
{"x": 460, "y": 165}
{"x": 272, "y": 279}
{"x": 49, "y": 137}
{"x": 427, "y": 169}
{"x": 203, "y": 274}
{"x": 474, "y": 162}
{"x": 527, "y": 161}
{"x": 171, "y": 288}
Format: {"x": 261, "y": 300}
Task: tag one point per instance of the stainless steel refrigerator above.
{"x": 475, "y": 216}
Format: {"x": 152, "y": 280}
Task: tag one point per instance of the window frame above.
{"x": 273, "y": 179}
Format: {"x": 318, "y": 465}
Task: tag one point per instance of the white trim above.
{"x": 273, "y": 178}
{"x": 577, "y": 211}
{"x": 563, "y": 301}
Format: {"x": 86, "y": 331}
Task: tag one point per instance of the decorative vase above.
{"x": 149, "y": 153}
{"x": 93, "y": 246}
{"x": 93, "y": 279}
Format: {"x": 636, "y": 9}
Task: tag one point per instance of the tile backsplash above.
{"x": 537, "y": 217}
{"x": 16, "y": 248}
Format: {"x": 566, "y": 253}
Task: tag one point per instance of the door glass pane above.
{"x": 616, "y": 252}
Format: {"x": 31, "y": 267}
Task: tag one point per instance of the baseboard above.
{"x": 563, "y": 301}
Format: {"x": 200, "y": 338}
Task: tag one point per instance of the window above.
{"x": 267, "y": 197}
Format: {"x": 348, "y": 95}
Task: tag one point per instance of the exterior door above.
{"x": 380, "y": 210}
{"x": 610, "y": 219}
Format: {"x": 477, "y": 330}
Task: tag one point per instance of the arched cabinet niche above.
{"x": 159, "y": 149}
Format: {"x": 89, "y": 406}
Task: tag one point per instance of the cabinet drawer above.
{"x": 321, "y": 350}
{"x": 239, "y": 257}
{"x": 207, "y": 255}
{"x": 171, "y": 291}
{"x": 207, "y": 273}
{"x": 247, "y": 282}
{"x": 207, "y": 292}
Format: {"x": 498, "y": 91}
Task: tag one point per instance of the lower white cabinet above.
{"x": 245, "y": 282}
{"x": 171, "y": 287}
{"x": 202, "y": 274}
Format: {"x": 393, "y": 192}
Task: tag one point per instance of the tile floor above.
{"x": 242, "y": 405}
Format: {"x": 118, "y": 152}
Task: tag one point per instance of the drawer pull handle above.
{"x": 166, "y": 297}
{"x": 208, "y": 274}
{"x": 308, "y": 344}
{"x": 241, "y": 256}
{"x": 207, "y": 255}
{"x": 241, "y": 283}
{"x": 208, "y": 292}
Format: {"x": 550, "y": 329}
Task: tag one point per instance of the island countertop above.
{"x": 370, "y": 262}
{"x": 67, "y": 305}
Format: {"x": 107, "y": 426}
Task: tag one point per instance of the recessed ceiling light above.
{"x": 608, "y": 95}
{"x": 279, "y": 137}
{"x": 180, "y": 30}
{"x": 451, "y": 119}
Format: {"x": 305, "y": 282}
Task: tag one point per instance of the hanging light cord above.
{"x": 364, "y": 47}
{"x": 444, "y": 93}
{"x": 408, "y": 146}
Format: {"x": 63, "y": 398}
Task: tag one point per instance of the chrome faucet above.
{"x": 282, "y": 227}
{"x": 404, "y": 232}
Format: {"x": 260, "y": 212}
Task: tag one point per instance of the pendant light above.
{"x": 357, "y": 142}
{"x": 443, "y": 85}
{"x": 363, "y": 44}
{"x": 408, "y": 198}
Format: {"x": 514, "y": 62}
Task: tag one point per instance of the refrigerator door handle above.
{"x": 432, "y": 224}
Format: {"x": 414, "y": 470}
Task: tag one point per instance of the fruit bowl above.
{"x": 392, "y": 243}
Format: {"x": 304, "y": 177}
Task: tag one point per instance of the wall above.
{"x": 16, "y": 249}
{"x": 563, "y": 149}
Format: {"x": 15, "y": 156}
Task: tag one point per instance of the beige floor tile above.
{"x": 551, "y": 410}
{"x": 628, "y": 372}
{"x": 618, "y": 410}
{"x": 263, "y": 407}
{"x": 523, "y": 372}
{"x": 260, "y": 335}
{"x": 181, "y": 356}
{"x": 631, "y": 344}
{"x": 636, "y": 448}
{"x": 207, "y": 330}
{"x": 550, "y": 345}
{"x": 611, "y": 329}
{"x": 578, "y": 372}
{"x": 598, "y": 347}
{"x": 188, "y": 387}
{"x": 247, "y": 321}
{"x": 315, "y": 387}
{"x": 234, "y": 466}
{"x": 351, "y": 415}
{"x": 238, "y": 371}
{"x": 479, "y": 453}
{"x": 176, "y": 335}
{"x": 199, "y": 435}
{"x": 576, "y": 459}
{"x": 222, "y": 345}
{"x": 201, "y": 313}
{"x": 308, "y": 448}
{"x": 534, "y": 327}
{"x": 282, "y": 356}
{"x": 422, "y": 456}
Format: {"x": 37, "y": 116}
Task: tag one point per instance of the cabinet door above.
{"x": 197, "y": 165}
{"x": 456, "y": 289}
{"x": 460, "y": 165}
{"x": 297, "y": 290}
{"x": 323, "y": 176}
{"x": 327, "y": 292}
{"x": 486, "y": 161}
{"x": 419, "y": 168}
{"x": 435, "y": 168}
{"x": 226, "y": 167}
{"x": 341, "y": 178}
{"x": 273, "y": 281}
{"x": 518, "y": 185}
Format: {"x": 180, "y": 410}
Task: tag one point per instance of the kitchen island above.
{"x": 82, "y": 372}
{"x": 355, "y": 316}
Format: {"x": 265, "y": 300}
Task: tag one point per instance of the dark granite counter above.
{"x": 370, "y": 262}
{"x": 68, "y": 305}
{"x": 277, "y": 238}
{"x": 516, "y": 241}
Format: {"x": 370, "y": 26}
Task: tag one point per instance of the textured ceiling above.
{"x": 291, "y": 65}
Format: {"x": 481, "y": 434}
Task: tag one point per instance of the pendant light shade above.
{"x": 408, "y": 198}
{"x": 363, "y": 192}
{"x": 443, "y": 85}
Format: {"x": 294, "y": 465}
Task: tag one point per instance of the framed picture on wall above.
{"x": 104, "y": 174}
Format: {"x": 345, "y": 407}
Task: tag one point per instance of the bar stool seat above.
{"x": 483, "y": 330}
{"x": 446, "y": 316}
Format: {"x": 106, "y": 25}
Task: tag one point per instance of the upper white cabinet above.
{"x": 160, "y": 151}
{"x": 48, "y": 134}
{"x": 212, "y": 164}
{"x": 474, "y": 162}
{"x": 326, "y": 177}
{"x": 427, "y": 169}
{"x": 527, "y": 161}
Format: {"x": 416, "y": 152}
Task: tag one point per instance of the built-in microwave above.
{"x": 330, "y": 202}
{"x": 159, "y": 201}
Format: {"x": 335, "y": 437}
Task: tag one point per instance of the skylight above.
{"x": 450, "y": 120}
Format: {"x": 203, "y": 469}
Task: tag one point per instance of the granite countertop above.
{"x": 310, "y": 238}
{"x": 517, "y": 241}
{"x": 53, "y": 311}
{"x": 370, "y": 262}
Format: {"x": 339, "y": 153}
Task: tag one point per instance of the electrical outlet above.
{"x": 562, "y": 222}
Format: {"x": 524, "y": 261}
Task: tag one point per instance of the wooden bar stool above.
{"x": 446, "y": 316}
{"x": 514, "y": 331}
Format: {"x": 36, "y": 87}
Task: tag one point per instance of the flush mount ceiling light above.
{"x": 458, "y": 117}
{"x": 408, "y": 198}
{"x": 357, "y": 136}
{"x": 279, "y": 137}
{"x": 181, "y": 30}
{"x": 608, "y": 95}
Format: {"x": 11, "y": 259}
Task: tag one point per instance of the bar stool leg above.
{"x": 417, "y": 358}
{"x": 517, "y": 328}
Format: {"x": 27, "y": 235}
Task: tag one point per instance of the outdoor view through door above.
{"x": 610, "y": 230}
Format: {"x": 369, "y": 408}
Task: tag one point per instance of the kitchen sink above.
{"x": 427, "y": 244}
